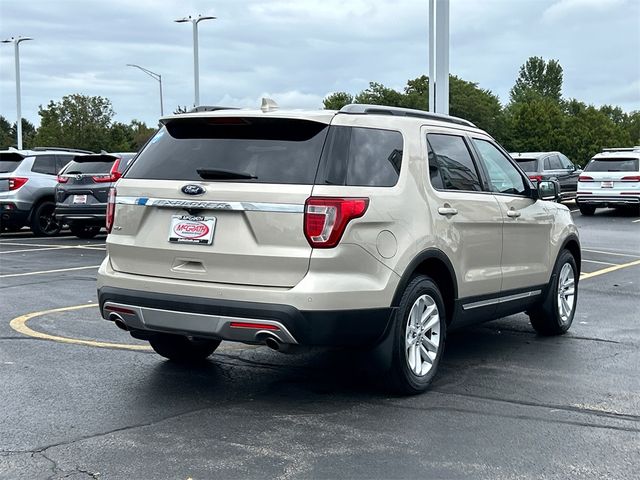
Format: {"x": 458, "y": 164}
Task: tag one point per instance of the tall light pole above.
{"x": 154, "y": 75}
{"x": 439, "y": 56}
{"x": 16, "y": 44}
{"x": 196, "y": 70}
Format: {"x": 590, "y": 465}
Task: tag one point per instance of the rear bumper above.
{"x": 605, "y": 201}
{"x": 11, "y": 214}
{"x": 89, "y": 214}
{"x": 223, "y": 319}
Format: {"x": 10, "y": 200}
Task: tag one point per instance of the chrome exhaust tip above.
{"x": 119, "y": 321}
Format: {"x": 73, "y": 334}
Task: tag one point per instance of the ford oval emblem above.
{"x": 193, "y": 189}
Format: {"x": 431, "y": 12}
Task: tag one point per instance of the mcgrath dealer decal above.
{"x": 191, "y": 230}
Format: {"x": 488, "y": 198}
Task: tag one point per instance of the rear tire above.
{"x": 587, "y": 210}
{"x": 43, "y": 220}
{"x": 419, "y": 334}
{"x": 180, "y": 349}
{"x": 555, "y": 315}
{"x": 82, "y": 230}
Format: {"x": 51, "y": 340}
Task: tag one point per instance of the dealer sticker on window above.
{"x": 190, "y": 229}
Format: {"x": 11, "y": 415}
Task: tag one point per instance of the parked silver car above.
{"x": 27, "y": 187}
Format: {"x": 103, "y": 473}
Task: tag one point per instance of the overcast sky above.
{"x": 297, "y": 51}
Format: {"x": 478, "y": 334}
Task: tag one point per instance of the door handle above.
{"x": 513, "y": 213}
{"x": 447, "y": 211}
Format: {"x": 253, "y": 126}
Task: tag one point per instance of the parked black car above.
{"x": 83, "y": 188}
{"x": 550, "y": 166}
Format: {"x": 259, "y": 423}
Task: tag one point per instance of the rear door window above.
{"x": 45, "y": 164}
{"x": 367, "y": 157}
{"x": 259, "y": 150}
{"x": 451, "y": 166}
{"x": 552, "y": 162}
{"x": 612, "y": 165}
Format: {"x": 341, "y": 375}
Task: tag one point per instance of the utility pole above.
{"x": 155, "y": 76}
{"x": 16, "y": 44}
{"x": 196, "y": 68}
{"x": 439, "y": 56}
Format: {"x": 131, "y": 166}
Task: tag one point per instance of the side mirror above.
{"x": 548, "y": 190}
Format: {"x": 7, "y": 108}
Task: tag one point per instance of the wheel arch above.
{"x": 572, "y": 244}
{"x": 44, "y": 198}
{"x": 435, "y": 264}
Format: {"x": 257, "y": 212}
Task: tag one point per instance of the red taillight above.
{"x": 585, "y": 178}
{"x": 111, "y": 209}
{"x": 62, "y": 179}
{"x": 114, "y": 174}
{"x": 16, "y": 182}
{"x": 535, "y": 178}
{"x": 631, "y": 178}
{"x": 325, "y": 218}
{"x": 253, "y": 325}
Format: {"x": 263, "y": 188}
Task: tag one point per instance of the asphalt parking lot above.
{"x": 81, "y": 399}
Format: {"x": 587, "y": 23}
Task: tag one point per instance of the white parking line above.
{"x": 34, "y": 250}
{"x": 42, "y": 272}
{"x": 611, "y": 253}
{"x": 635, "y": 221}
{"x": 599, "y": 263}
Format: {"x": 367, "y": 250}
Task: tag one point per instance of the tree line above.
{"x": 536, "y": 118}
{"x": 78, "y": 121}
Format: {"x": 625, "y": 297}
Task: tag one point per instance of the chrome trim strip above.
{"x": 212, "y": 204}
{"x": 157, "y": 319}
{"x": 508, "y": 298}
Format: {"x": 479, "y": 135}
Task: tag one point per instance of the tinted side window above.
{"x": 566, "y": 163}
{"x": 45, "y": 164}
{"x": 552, "y": 163}
{"x": 450, "y": 164}
{"x": 366, "y": 157}
{"x": 375, "y": 157}
{"x": 503, "y": 175}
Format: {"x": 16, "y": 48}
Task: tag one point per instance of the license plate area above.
{"x": 192, "y": 229}
{"x": 79, "y": 199}
{"x": 606, "y": 184}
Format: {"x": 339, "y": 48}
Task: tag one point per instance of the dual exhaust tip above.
{"x": 269, "y": 339}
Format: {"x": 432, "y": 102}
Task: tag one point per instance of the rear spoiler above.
{"x": 11, "y": 156}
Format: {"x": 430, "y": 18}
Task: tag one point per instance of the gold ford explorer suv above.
{"x": 371, "y": 227}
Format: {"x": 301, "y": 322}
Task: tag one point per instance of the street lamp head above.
{"x": 183, "y": 20}
{"x": 16, "y": 39}
{"x": 207, "y": 17}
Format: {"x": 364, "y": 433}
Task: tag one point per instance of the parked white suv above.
{"x": 371, "y": 226}
{"x": 610, "y": 179}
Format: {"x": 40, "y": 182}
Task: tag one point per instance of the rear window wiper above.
{"x": 216, "y": 174}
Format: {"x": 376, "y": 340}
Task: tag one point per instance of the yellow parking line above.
{"x": 584, "y": 276}
{"x": 58, "y": 270}
{"x": 19, "y": 324}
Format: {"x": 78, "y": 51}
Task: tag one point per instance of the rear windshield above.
{"x": 100, "y": 166}
{"x": 9, "y": 162}
{"x": 612, "y": 165}
{"x": 527, "y": 164}
{"x": 262, "y": 150}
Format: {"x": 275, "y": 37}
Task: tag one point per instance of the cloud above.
{"x": 567, "y": 9}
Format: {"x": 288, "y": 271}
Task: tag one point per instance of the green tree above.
{"x": 337, "y": 100}
{"x": 538, "y": 78}
{"x": 141, "y": 134}
{"x": 6, "y": 140}
{"x": 76, "y": 121}
{"x": 120, "y": 137}
{"x": 28, "y": 133}
{"x": 534, "y": 125}
{"x": 632, "y": 127}
{"x": 378, "y": 94}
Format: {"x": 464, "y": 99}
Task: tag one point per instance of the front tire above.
{"x": 82, "y": 230}
{"x": 587, "y": 210}
{"x": 555, "y": 315}
{"x": 180, "y": 349}
{"x": 419, "y": 335}
{"x": 43, "y": 220}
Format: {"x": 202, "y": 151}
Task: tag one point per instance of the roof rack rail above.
{"x": 60, "y": 149}
{"x": 210, "y": 108}
{"x": 622, "y": 149}
{"x": 365, "y": 109}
